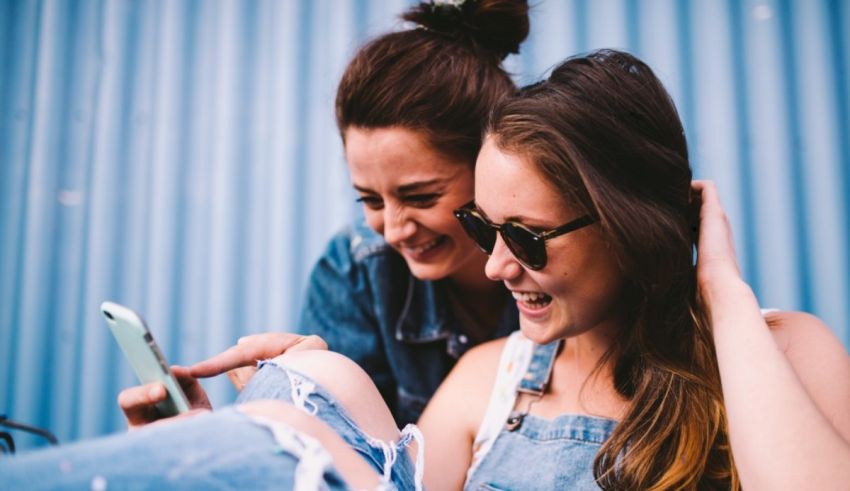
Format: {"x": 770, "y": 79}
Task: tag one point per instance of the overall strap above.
{"x": 535, "y": 381}
{"x": 536, "y": 378}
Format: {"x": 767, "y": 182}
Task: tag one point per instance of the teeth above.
{"x": 531, "y": 297}
{"x": 424, "y": 247}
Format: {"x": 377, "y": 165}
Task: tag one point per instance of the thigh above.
{"x": 356, "y": 471}
{"x": 341, "y": 378}
{"x": 342, "y": 395}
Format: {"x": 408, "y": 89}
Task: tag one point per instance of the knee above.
{"x": 349, "y": 384}
{"x": 335, "y": 372}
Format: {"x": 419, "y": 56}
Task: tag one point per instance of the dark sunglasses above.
{"x": 528, "y": 246}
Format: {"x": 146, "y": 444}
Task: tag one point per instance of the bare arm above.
{"x": 452, "y": 417}
{"x": 787, "y": 392}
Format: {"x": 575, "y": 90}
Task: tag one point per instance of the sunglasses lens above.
{"x": 529, "y": 249}
{"x": 478, "y": 230}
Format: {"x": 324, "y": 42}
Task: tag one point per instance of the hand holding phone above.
{"x": 144, "y": 355}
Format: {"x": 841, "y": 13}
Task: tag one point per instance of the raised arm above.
{"x": 786, "y": 388}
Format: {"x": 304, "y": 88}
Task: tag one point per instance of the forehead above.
{"x": 510, "y": 185}
{"x": 396, "y": 156}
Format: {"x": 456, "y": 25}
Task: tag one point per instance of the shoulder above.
{"x": 807, "y": 341}
{"x": 819, "y": 359}
{"x": 484, "y": 357}
{"x": 799, "y": 332}
{"x": 468, "y": 384}
{"x": 478, "y": 368}
{"x": 475, "y": 371}
{"x": 359, "y": 242}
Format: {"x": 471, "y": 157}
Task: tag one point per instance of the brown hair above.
{"x": 605, "y": 134}
{"x": 441, "y": 78}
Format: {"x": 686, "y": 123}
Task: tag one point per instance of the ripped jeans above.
{"x": 389, "y": 459}
{"x": 226, "y": 449}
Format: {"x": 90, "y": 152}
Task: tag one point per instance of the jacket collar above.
{"x": 425, "y": 318}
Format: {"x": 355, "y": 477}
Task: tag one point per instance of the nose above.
{"x": 502, "y": 265}
{"x": 398, "y": 225}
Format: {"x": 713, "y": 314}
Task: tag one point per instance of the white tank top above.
{"x": 513, "y": 364}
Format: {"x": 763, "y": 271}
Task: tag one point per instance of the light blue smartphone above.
{"x": 139, "y": 347}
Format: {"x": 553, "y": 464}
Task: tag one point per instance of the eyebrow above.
{"x": 527, "y": 221}
{"x": 416, "y": 186}
{"x": 407, "y": 188}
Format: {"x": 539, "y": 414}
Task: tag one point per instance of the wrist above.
{"x": 729, "y": 301}
{"x": 719, "y": 277}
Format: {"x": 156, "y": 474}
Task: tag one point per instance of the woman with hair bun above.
{"x": 403, "y": 294}
{"x": 634, "y": 369}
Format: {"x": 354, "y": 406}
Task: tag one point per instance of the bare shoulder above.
{"x": 454, "y": 414}
{"x": 484, "y": 355}
{"x": 799, "y": 332}
{"x": 820, "y": 361}
{"x": 471, "y": 380}
{"x": 476, "y": 369}
{"x": 805, "y": 340}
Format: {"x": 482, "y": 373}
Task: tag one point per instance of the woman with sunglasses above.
{"x": 634, "y": 369}
{"x": 403, "y": 294}
{"x": 665, "y": 375}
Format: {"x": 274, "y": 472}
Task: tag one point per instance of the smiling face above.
{"x": 409, "y": 191}
{"x": 578, "y": 288}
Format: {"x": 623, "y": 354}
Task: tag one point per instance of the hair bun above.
{"x": 497, "y": 26}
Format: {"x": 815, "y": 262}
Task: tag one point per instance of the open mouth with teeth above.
{"x": 533, "y": 300}
{"x": 427, "y": 246}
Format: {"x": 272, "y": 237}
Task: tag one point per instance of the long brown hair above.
{"x": 441, "y": 77}
{"x": 606, "y": 135}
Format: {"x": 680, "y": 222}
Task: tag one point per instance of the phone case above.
{"x": 144, "y": 355}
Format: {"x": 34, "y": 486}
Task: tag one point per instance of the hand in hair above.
{"x": 715, "y": 246}
{"x": 786, "y": 388}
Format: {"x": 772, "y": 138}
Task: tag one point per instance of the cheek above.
{"x": 375, "y": 220}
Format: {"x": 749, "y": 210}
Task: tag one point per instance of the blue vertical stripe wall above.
{"x": 181, "y": 157}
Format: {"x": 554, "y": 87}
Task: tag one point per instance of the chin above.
{"x": 537, "y": 333}
{"x": 428, "y": 272}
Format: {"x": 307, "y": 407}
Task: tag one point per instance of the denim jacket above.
{"x": 364, "y": 302}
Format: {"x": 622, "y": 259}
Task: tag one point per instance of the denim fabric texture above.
{"x": 560, "y": 451}
{"x": 274, "y": 382}
{"x": 363, "y": 300}
{"x": 223, "y": 450}
{"x": 544, "y": 455}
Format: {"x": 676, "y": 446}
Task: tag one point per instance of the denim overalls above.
{"x": 539, "y": 453}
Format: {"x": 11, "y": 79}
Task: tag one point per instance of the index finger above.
{"x": 246, "y": 353}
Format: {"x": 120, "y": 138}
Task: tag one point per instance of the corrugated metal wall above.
{"x": 180, "y": 157}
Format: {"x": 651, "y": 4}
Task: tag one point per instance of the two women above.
{"x": 634, "y": 368}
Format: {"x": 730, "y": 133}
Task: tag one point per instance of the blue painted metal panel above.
{"x": 181, "y": 157}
